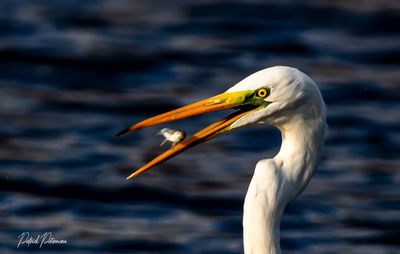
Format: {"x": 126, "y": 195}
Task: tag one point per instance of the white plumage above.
{"x": 298, "y": 111}
{"x": 280, "y": 96}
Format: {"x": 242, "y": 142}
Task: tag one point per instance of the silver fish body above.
{"x": 171, "y": 135}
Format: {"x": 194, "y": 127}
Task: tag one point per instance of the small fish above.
{"x": 174, "y": 136}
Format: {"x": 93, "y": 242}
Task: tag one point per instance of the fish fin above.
{"x": 163, "y": 142}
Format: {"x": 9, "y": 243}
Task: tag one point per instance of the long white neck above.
{"x": 277, "y": 181}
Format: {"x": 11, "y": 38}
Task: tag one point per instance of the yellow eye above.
{"x": 262, "y": 92}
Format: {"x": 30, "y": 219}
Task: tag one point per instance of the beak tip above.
{"x": 131, "y": 176}
{"x": 123, "y": 132}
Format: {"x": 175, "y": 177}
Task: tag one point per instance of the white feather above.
{"x": 297, "y": 109}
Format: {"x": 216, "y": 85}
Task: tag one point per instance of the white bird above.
{"x": 174, "y": 136}
{"x": 280, "y": 96}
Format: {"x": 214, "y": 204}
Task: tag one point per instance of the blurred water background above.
{"x": 73, "y": 73}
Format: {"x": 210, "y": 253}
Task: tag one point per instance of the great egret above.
{"x": 280, "y": 96}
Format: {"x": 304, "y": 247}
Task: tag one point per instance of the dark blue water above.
{"x": 73, "y": 73}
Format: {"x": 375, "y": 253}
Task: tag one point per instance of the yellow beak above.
{"x": 219, "y": 102}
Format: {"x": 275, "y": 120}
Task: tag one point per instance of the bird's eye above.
{"x": 262, "y": 92}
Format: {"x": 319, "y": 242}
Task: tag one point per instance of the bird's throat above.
{"x": 300, "y": 152}
{"x": 276, "y": 182}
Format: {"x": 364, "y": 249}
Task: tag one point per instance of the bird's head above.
{"x": 273, "y": 95}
